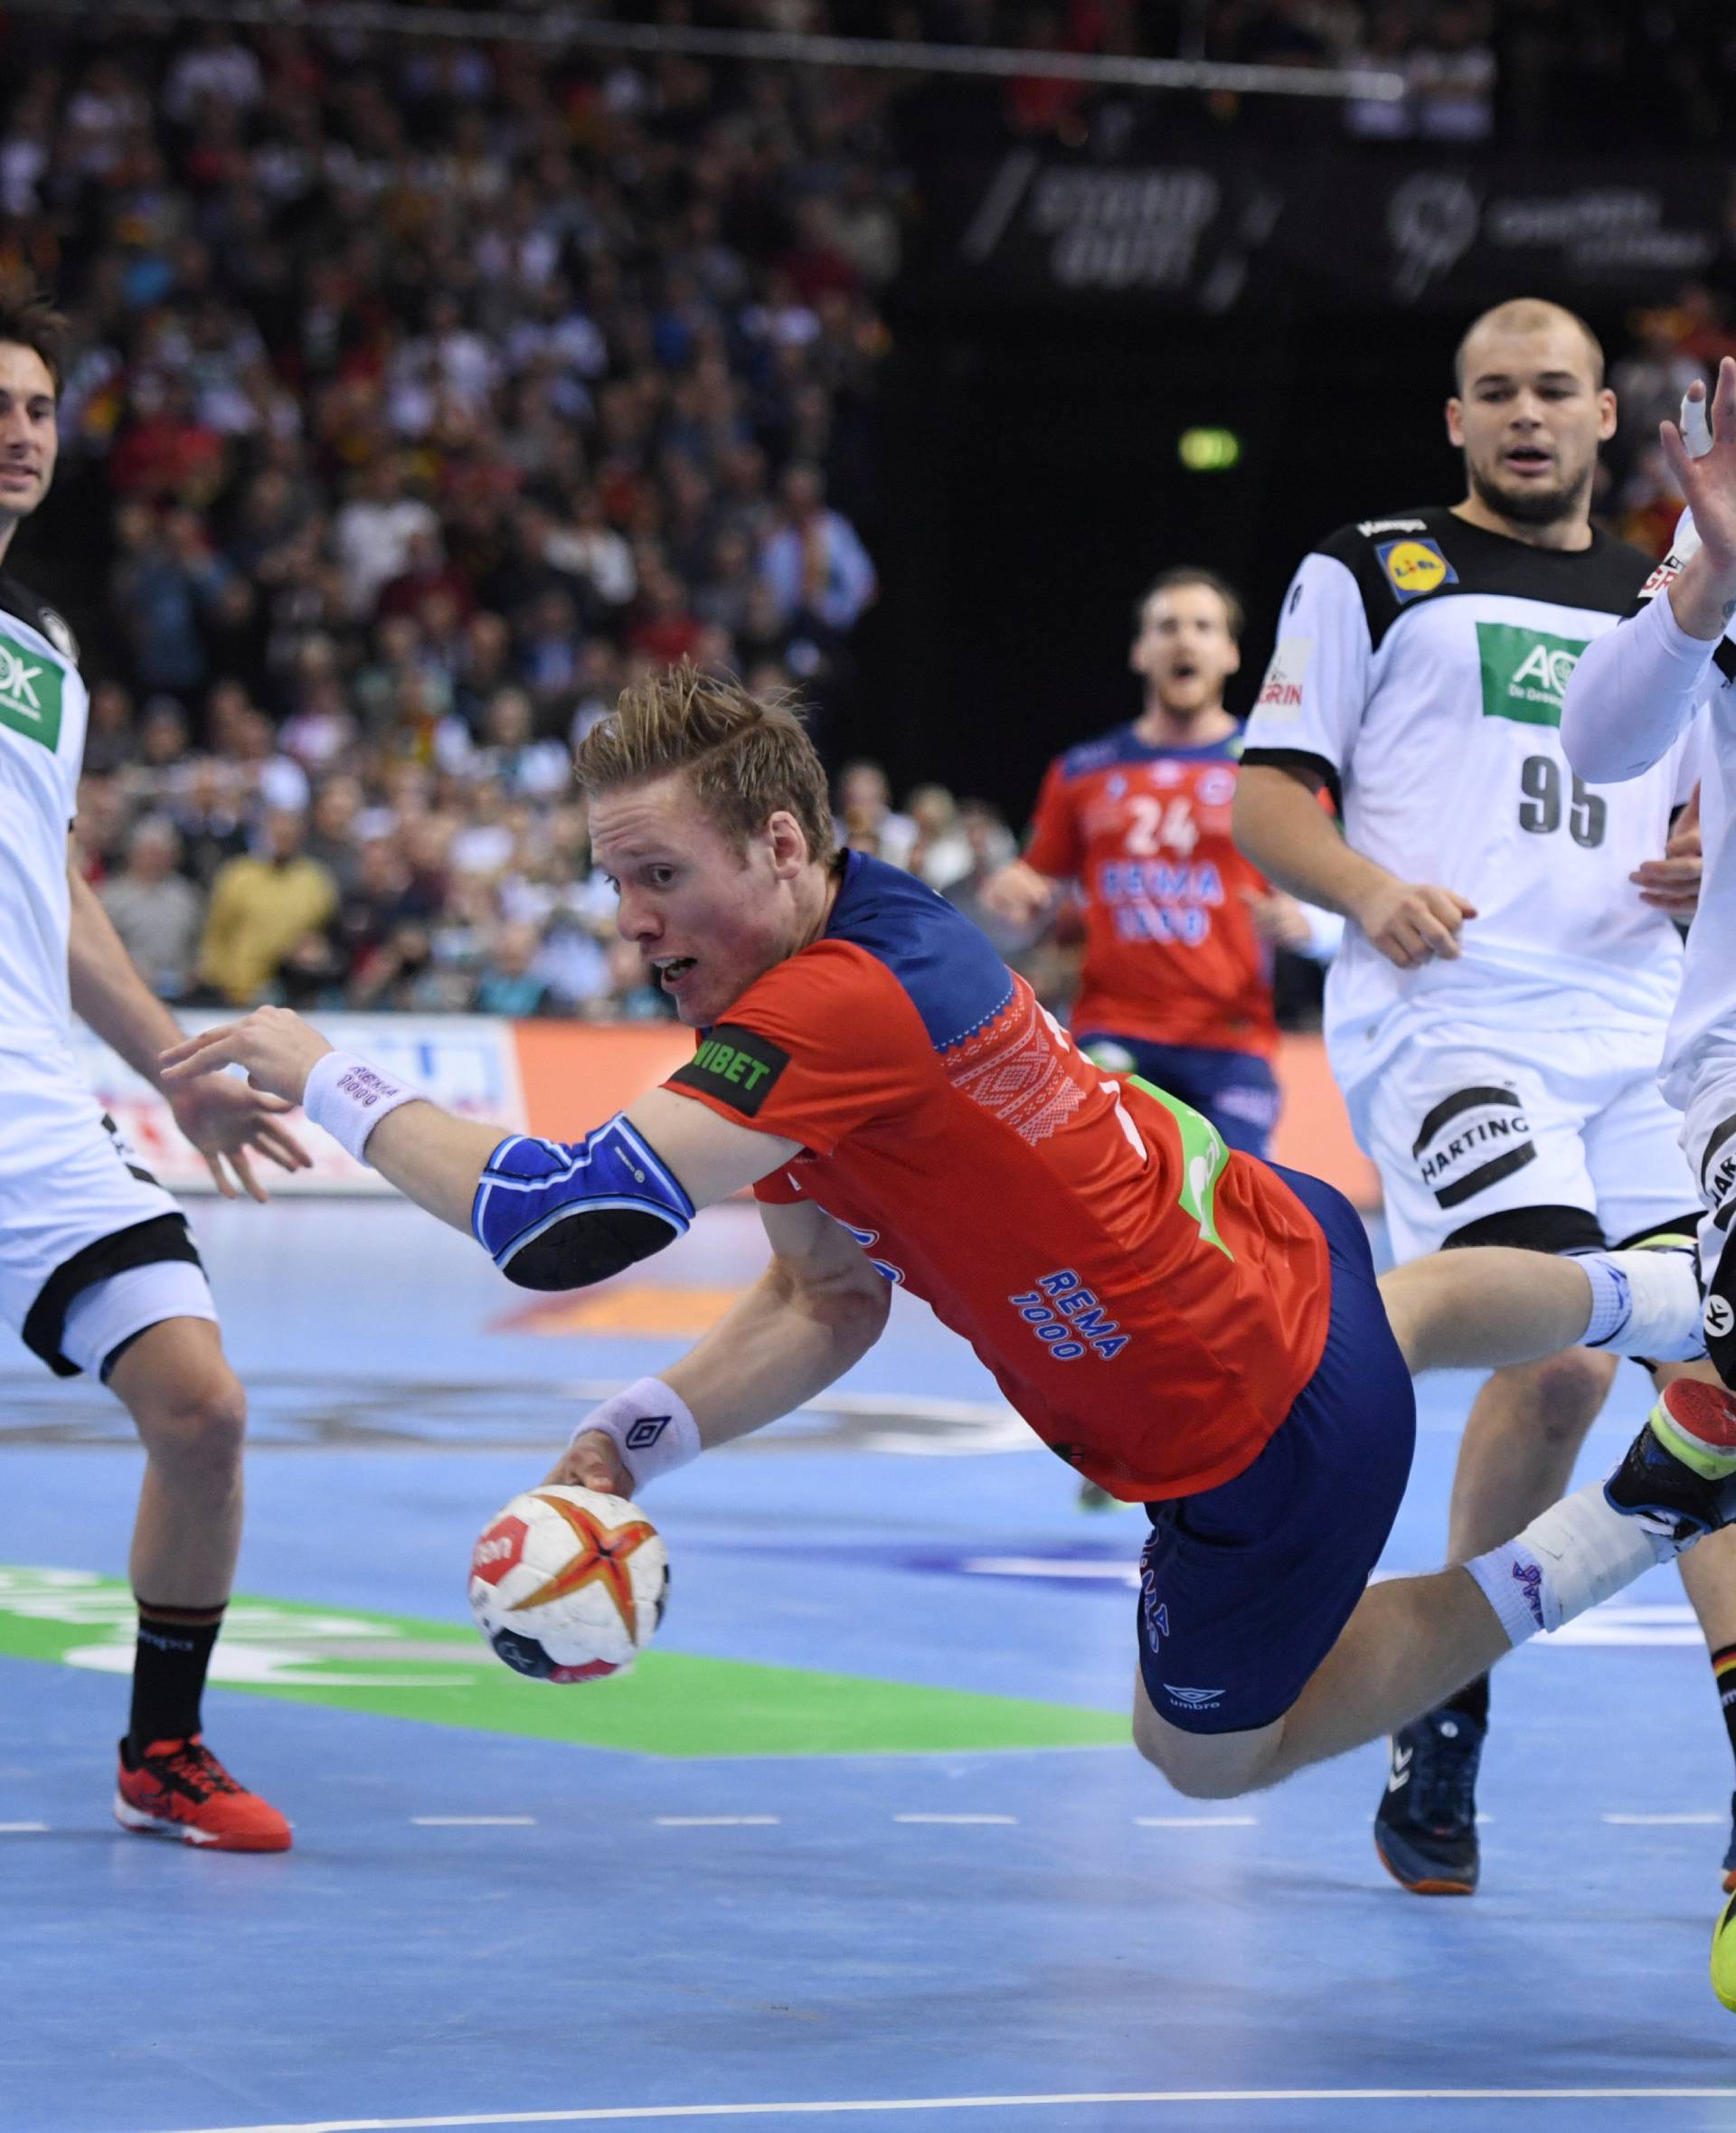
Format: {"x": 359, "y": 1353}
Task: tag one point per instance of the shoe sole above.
{"x": 1705, "y": 1414}
{"x": 1434, "y": 1885}
{"x": 143, "y": 1825}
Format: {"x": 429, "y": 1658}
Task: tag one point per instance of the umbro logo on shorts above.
{"x": 1194, "y": 1699}
{"x": 1471, "y": 1140}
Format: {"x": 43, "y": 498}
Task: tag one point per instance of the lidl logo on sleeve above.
{"x": 1415, "y": 567}
{"x": 1525, "y": 673}
{"x": 30, "y": 693}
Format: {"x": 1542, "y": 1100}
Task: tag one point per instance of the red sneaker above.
{"x": 179, "y": 1788}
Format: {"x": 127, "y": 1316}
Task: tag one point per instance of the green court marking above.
{"x": 672, "y": 1703}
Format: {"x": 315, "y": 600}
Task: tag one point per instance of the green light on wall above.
{"x": 1208, "y": 451}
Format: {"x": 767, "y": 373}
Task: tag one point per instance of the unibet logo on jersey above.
{"x": 30, "y": 693}
{"x": 1525, "y": 673}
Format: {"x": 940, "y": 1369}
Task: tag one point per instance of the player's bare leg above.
{"x": 191, "y": 1414}
{"x": 1411, "y": 1641}
{"x": 1521, "y": 1436}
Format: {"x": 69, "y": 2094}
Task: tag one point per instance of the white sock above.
{"x": 1645, "y": 1303}
{"x": 1571, "y": 1557}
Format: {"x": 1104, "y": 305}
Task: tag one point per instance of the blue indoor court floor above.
{"x": 861, "y": 1842}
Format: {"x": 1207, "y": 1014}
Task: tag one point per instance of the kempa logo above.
{"x": 1525, "y": 673}
{"x": 30, "y": 693}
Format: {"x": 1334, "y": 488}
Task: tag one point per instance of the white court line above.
{"x": 1666, "y": 1821}
{"x": 23, "y": 1828}
{"x": 606, "y": 2117}
{"x": 473, "y": 1821}
{"x": 1196, "y": 1821}
{"x": 999, "y": 1821}
{"x": 717, "y": 1821}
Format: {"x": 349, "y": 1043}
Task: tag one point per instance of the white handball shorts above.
{"x": 1555, "y": 1141}
{"x": 93, "y": 1249}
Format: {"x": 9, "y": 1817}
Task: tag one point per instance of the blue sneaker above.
{"x": 1425, "y": 1828}
{"x": 1729, "y": 1852}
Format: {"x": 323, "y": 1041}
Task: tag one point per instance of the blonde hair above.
{"x": 746, "y": 757}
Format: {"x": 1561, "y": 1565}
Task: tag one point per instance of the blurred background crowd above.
{"x": 423, "y": 391}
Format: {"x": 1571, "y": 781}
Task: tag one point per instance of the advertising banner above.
{"x": 1216, "y": 230}
{"x": 560, "y": 1079}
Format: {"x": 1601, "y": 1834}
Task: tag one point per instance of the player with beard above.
{"x": 1497, "y": 1013}
{"x": 97, "y": 1272}
{"x": 1179, "y": 927}
{"x": 1176, "y": 983}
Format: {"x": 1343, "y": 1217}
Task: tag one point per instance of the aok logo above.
{"x": 30, "y": 693}
{"x": 1525, "y": 673}
{"x": 1547, "y": 670}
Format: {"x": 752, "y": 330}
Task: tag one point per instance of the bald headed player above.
{"x": 1497, "y": 1013}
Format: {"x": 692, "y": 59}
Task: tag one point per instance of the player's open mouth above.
{"x": 1527, "y": 458}
{"x": 669, "y": 970}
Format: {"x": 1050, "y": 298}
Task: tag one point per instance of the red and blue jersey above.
{"x": 1171, "y": 955}
{"x": 1149, "y": 1302}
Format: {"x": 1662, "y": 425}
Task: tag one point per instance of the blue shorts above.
{"x": 1236, "y": 1090}
{"x": 1244, "y": 1587}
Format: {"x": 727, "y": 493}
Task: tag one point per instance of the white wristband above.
{"x": 349, "y": 1098}
{"x": 652, "y": 1429}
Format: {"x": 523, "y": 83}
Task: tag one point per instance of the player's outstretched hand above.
{"x": 592, "y": 1460}
{"x": 230, "y": 1124}
{"x": 1707, "y": 479}
{"x": 275, "y": 1047}
{"x": 1017, "y": 893}
{"x": 1411, "y": 922}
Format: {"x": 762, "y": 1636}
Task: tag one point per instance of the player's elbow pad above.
{"x": 554, "y": 1215}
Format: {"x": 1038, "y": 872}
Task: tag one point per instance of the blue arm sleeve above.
{"x": 552, "y": 1215}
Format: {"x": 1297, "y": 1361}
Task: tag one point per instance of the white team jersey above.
{"x": 1421, "y": 668}
{"x": 43, "y": 710}
{"x": 1654, "y": 692}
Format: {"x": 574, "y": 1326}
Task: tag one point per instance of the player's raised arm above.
{"x": 1634, "y": 690}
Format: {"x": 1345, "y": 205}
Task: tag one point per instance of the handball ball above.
{"x": 567, "y": 1584}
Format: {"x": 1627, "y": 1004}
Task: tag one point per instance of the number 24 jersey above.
{"x": 1419, "y": 669}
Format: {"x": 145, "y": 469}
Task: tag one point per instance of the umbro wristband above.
{"x": 349, "y": 1098}
{"x": 652, "y": 1428}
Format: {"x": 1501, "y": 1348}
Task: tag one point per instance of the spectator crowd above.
{"x": 422, "y": 393}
